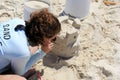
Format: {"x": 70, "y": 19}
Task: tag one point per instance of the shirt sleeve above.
{"x": 22, "y": 65}
{"x": 18, "y": 64}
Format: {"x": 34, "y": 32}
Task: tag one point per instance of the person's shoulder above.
{"x": 17, "y": 20}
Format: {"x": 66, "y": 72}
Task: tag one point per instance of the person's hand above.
{"x": 32, "y": 74}
{"x": 47, "y": 47}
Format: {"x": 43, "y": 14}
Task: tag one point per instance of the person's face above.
{"x": 49, "y": 40}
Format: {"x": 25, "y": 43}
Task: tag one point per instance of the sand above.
{"x": 99, "y": 37}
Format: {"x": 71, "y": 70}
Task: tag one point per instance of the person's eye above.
{"x": 53, "y": 40}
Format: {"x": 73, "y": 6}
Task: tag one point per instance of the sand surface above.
{"x": 99, "y": 53}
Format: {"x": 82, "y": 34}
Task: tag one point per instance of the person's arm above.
{"x": 34, "y": 58}
{"x": 11, "y": 77}
{"x": 23, "y": 64}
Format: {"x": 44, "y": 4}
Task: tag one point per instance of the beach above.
{"x": 98, "y": 56}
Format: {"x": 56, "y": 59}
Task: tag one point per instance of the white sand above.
{"x": 99, "y": 54}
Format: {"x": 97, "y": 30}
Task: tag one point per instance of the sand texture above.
{"x": 98, "y": 56}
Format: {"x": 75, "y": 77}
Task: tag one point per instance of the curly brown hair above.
{"x": 41, "y": 24}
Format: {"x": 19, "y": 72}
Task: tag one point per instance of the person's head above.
{"x": 42, "y": 24}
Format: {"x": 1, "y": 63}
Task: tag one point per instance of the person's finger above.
{"x": 38, "y": 75}
{"x": 51, "y": 44}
